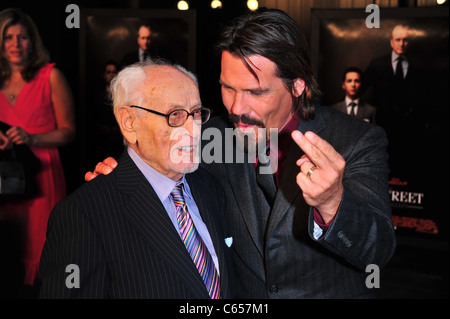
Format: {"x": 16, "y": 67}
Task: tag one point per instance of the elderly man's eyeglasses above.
{"x": 177, "y": 118}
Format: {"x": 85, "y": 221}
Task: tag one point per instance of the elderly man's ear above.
{"x": 127, "y": 120}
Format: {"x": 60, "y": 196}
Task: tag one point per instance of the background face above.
{"x": 144, "y": 38}
{"x": 399, "y": 41}
{"x": 351, "y": 84}
{"x": 16, "y": 44}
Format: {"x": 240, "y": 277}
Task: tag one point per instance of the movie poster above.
{"x": 413, "y": 113}
{"x": 110, "y": 39}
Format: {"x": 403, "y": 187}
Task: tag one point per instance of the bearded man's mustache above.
{"x": 244, "y": 119}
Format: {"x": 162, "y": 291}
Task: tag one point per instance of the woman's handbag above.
{"x": 12, "y": 175}
{"x": 18, "y": 167}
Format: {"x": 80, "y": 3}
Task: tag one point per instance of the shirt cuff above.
{"x": 320, "y": 222}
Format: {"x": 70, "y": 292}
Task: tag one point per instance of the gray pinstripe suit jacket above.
{"x": 117, "y": 232}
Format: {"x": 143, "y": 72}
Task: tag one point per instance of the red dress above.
{"x": 34, "y": 112}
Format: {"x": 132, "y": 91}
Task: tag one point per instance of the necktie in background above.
{"x": 195, "y": 245}
{"x": 352, "y": 111}
{"x": 145, "y": 56}
{"x": 399, "y": 69}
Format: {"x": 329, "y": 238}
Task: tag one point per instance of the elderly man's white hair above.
{"x": 125, "y": 87}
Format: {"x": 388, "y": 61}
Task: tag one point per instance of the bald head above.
{"x": 399, "y": 39}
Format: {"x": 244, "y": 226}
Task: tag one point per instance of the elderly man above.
{"x": 147, "y": 230}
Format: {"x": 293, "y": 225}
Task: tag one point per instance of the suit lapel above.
{"x": 147, "y": 214}
{"x": 362, "y": 111}
{"x": 288, "y": 190}
{"x": 342, "y": 107}
{"x": 246, "y": 198}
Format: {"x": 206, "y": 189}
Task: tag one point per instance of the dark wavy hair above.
{"x": 274, "y": 35}
{"x": 38, "y": 56}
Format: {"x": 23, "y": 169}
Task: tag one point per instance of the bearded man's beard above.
{"x": 252, "y": 141}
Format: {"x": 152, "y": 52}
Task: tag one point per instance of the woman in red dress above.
{"x": 36, "y": 101}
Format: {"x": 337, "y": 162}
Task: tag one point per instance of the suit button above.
{"x": 274, "y": 289}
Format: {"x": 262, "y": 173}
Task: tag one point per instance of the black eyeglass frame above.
{"x": 177, "y": 110}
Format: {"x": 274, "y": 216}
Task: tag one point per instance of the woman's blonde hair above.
{"x": 38, "y": 55}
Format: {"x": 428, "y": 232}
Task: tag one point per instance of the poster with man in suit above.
{"x": 352, "y": 104}
{"x": 412, "y": 103}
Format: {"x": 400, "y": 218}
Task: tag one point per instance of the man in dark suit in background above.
{"x": 147, "y": 230}
{"x": 398, "y": 93}
{"x": 352, "y": 104}
{"x": 311, "y": 229}
{"x": 143, "y": 52}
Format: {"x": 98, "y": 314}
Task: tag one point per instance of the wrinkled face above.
{"x": 16, "y": 44}
{"x": 399, "y": 40}
{"x": 253, "y": 103}
{"x": 172, "y": 151}
{"x": 352, "y": 84}
{"x": 144, "y": 38}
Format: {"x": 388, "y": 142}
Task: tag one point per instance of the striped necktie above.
{"x": 195, "y": 245}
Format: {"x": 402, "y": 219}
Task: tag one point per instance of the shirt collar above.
{"x": 284, "y": 136}
{"x": 162, "y": 185}
{"x": 141, "y": 54}
{"x": 395, "y": 56}
{"x": 348, "y": 101}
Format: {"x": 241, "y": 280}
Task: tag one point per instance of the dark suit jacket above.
{"x": 116, "y": 230}
{"x": 393, "y": 100}
{"x": 403, "y": 110}
{"x": 281, "y": 258}
{"x": 129, "y": 58}
{"x": 366, "y": 112}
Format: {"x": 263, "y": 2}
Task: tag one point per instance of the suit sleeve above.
{"x": 71, "y": 240}
{"x": 362, "y": 231}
